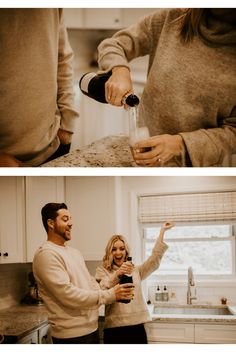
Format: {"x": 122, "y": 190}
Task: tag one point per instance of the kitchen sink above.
{"x": 215, "y": 311}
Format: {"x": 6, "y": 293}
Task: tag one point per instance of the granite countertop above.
{"x": 20, "y": 320}
{"x": 111, "y": 151}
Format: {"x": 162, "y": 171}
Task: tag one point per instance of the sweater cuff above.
{"x": 200, "y": 149}
{"x": 107, "y": 296}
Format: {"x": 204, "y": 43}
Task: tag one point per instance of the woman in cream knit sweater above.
{"x": 124, "y": 322}
{"x": 189, "y": 100}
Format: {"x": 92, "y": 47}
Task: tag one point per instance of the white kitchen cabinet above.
{"x": 208, "y": 333}
{"x": 30, "y": 338}
{"x": 39, "y": 191}
{"x": 215, "y": 333}
{"x": 43, "y": 335}
{"x": 169, "y": 332}
{"x": 92, "y": 205}
{"x": 132, "y": 15}
{"x": 103, "y": 18}
{"x": 39, "y": 336}
{"x": 98, "y": 120}
{"x": 12, "y": 245}
{"x": 93, "y": 18}
{"x": 74, "y": 18}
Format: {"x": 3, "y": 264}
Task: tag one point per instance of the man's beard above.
{"x": 63, "y": 234}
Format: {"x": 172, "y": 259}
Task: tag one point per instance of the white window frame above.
{"x": 205, "y": 277}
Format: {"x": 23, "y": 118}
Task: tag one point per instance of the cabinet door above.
{"x": 131, "y": 16}
{"x": 99, "y": 120}
{"x": 74, "y": 18}
{"x": 92, "y": 207}
{"x": 102, "y": 18}
{"x": 43, "y": 335}
{"x": 39, "y": 191}
{"x": 12, "y": 220}
{"x": 31, "y": 338}
{"x": 212, "y": 333}
{"x": 170, "y": 332}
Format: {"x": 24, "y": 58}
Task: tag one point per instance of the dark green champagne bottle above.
{"x": 126, "y": 278}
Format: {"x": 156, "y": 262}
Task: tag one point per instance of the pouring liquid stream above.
{"x": 136, "y": 133}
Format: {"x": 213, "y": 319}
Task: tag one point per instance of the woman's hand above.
{"x": 124, "y": 291}
{"x": 7, "y": 160}
{"x": 125, "y": 268}
{"x": 118, "y": 85}
{"x": 64, "y": 136}
{"x": 168, "y": 225}
{"x": 162, "y": 148}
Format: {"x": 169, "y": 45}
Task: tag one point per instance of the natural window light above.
{"x": 204, "y": 235}
{"x": 209, "y": 249}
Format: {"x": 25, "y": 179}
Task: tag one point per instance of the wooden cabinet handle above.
{"x": 5, "y": 254}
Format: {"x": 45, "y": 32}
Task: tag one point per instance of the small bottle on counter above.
{"x": 126, "y": 278}
{"x": 93, "y": 86}
{"x": 158, "y": 294}
{"x": 165, "y": 294}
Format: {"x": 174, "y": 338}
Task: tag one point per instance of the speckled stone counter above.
{"x": 112, "y": 151}
{"x": 18, "y": 321}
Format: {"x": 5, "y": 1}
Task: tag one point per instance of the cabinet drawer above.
{"x": 31, "y": 338}
{"x": 225, "y": 334}
{"x": 170, "y": 333}
{"x": 44, "y": 336}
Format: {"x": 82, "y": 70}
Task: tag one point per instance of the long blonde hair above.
{"x": 189, "y": 23}
{"x": 108, "y": 258}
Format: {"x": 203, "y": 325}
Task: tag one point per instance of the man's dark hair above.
{"x": 49, "y": 211}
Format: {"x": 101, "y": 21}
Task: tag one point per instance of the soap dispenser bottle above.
{"x": 165, "y": 294}
{"x": 158, "y": 294}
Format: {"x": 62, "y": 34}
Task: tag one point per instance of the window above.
{"x": 204, "y": 235}
{"x": 207, "y": 248}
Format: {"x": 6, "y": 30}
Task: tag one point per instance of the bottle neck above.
{"x": 131, "y": 100}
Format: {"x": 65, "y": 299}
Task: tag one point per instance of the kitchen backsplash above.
{"x": 206, "y": 292}
{"x": 13, "y": 283}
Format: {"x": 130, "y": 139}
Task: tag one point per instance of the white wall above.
{"x": 95, "y": 212}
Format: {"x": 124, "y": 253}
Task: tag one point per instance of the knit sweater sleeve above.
{"x": 51, "y": 274}
{"x": 153, "y": 262}
{"x": 106, "y": 279}
{"x": 214, "y": 143}
{"x": 132, "y": 42}
{"x": 65, "y": 93}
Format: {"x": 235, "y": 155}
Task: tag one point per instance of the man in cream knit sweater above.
{"x": 37, "y": 111}
{"x": 71, "y": 295}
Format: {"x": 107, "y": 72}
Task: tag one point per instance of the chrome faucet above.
{"x": 191, "y": 284}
